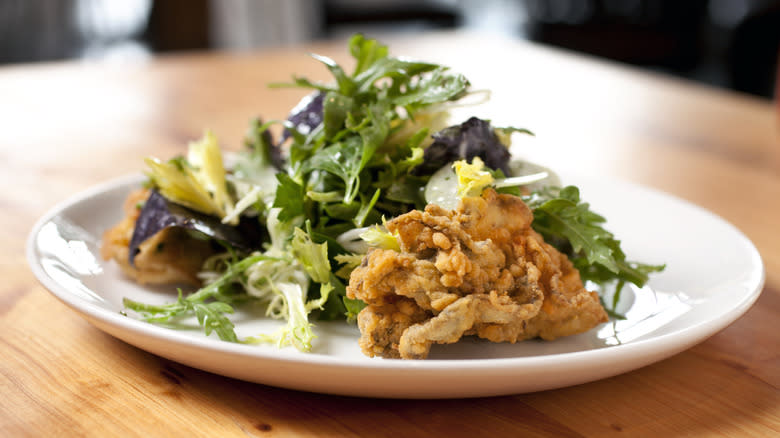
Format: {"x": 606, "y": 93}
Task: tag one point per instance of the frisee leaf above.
{"x": 380, "y": 237}
{"x": 298, "y": 330}
{"x": 349, "y": 261}
{"x": 472, "y": 177}
{"x": 313, "y": 256}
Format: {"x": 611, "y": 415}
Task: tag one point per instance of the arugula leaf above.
{"x": 335, "y": 109}
{"x": 289, "y": 198}
{"x": 365, "y": 208}
{"x": 566, "y": 216}
{"x": 437, "y": 87}
{"x": 366, "y": 51}
{"x": 209, "y": 304}
{"x": 334, "y": 309}
{"x": 211, "y": 316}
{"x": 568, "y": 224}
{"x": 303, "y": 83}
{"x": 353, "y": 307}
{"x": 345, "y": 83}
{"x": 262, "y": 150}
{"x": 342, "y": 160}
{"x": 401, "y": 71}
{"x": 374, "y": 133}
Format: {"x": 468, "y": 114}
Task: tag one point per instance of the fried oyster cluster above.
{"x": 478, "y": 270}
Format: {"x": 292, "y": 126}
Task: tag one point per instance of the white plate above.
{"x": 713, "y": 275}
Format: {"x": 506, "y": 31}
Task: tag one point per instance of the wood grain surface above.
{"x": 67, "y": 126}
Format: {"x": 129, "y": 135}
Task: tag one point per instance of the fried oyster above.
{"x": 478, "y": 270}
{"x": 170, "y": 256}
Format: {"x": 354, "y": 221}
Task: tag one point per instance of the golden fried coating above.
{"x": 170, "y": 256}
{"x": 479, "y": 270}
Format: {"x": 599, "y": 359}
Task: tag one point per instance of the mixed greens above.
{"x": 296, "y": 215}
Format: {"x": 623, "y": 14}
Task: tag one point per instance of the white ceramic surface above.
{"x": 713, "y": 275}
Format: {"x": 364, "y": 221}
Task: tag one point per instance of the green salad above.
{"x": 294, "y": 215}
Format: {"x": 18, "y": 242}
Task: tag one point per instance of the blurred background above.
{"x": 726, "y": 43}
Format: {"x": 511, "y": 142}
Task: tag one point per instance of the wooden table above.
{"x": 68, "y": 126}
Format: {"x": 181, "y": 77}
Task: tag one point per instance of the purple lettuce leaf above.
{"x": 307, "y": 115}
{"x": 473, "y": 138}
{"x": 158, "y": 213}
